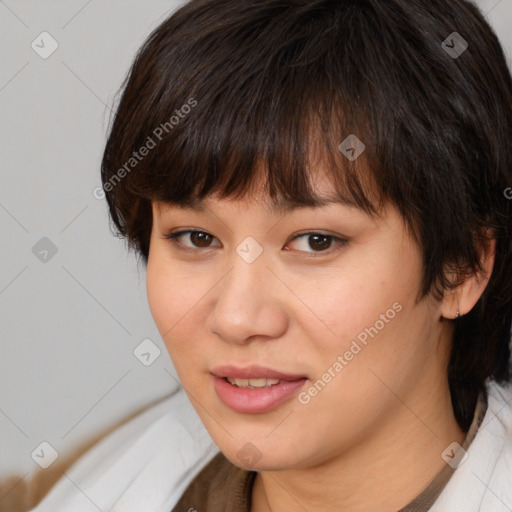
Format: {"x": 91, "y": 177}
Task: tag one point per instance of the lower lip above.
{"x": 247, "y": 400}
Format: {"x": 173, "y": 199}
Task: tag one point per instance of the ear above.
{"x": 463, "y": 298}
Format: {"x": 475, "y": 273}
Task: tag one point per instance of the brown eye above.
{"x": 196, "y": 239}
{"x": 200, "y": 238}
{"x": 318, "y": 242}
{"x": 313, "y": 243}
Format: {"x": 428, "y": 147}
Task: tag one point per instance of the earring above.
{"x": 457, "y": 314}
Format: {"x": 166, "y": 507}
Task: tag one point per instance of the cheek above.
{"x": 374, "y": 322}
{"x": 171, "y": 297}
{"x": 359, "y": 304}
{"x": 382, "y": 342}
{"x": 178, "y": 297}
{"x": 161, "y": 295}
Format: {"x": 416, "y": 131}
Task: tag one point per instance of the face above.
{"x": 318, "y": 305}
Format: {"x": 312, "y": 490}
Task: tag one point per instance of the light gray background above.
{"x": 70, "y": 324}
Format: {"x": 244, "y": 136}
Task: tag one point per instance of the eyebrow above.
{"x": 283, "y": 205}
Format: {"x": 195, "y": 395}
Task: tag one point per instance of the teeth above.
{"x": 253, "y": 383}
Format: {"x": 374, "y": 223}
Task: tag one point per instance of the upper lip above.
{"x": 253, "y": 372}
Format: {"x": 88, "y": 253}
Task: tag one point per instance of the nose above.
{"x": 249, "y": 303}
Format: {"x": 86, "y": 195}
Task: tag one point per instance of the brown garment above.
{"x": 223, "y": 487}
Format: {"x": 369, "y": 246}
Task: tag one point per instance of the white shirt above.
{"x": 146, "y": 464}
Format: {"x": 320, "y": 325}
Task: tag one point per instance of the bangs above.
{"x": 279, "y": 154}
{"x": 278, "y": 145}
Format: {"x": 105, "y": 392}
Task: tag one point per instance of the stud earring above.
{"x": 457, "y": 314}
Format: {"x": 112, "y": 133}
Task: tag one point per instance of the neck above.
{"x": 384, "y": 472}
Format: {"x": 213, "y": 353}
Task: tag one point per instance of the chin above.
{"x": 259, "y": 455}
{"x": 265, "y": 463}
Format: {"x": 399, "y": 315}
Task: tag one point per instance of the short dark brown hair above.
{"x": 223, "y": 86}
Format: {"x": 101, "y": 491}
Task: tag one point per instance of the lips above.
{"x": 254, "y": 372}
{"x": 255, "y": 389}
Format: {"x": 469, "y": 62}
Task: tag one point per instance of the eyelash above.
{"x": 341, "y": 242}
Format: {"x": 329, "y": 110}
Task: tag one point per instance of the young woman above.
{"x": 321, "y": 193}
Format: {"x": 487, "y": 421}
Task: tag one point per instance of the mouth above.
{"x": 255, "y": 389}
{"x": 254, "y": 372}
{"x": 253, "y": 383}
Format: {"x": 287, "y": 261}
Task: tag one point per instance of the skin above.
{"x": 372, "y": 438}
